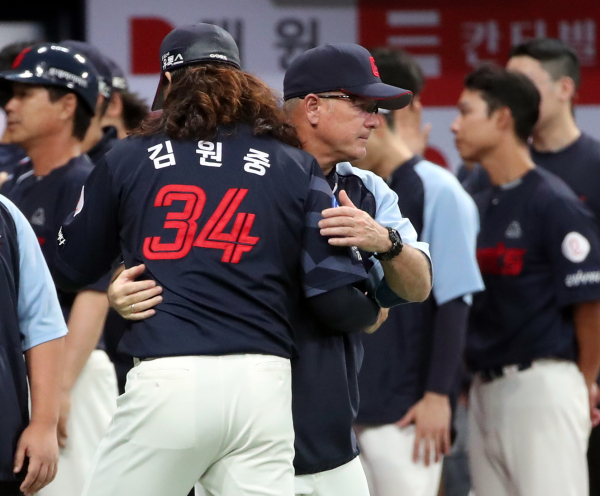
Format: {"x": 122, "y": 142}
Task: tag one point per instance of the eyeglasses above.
{"x": 370, "y": 108}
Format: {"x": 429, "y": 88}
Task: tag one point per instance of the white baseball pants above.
{"x": 528, "y": 432}
{"x": 387, "y": 454}
{"x": 346, "y": 480}
{"x": 225, "y": 421}
{"x": 93, "y": 403}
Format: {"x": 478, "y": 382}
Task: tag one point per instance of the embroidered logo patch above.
{"x": 575, "y": 247}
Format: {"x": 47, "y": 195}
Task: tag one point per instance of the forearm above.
{"x": 449, "y": 333}
{"x": 86, "y": 323}
{"x": 344, "y": 310}
{"x": 409, "y": 274}
{"x": 587, "y": 329}
{"x": 45, "y": 366}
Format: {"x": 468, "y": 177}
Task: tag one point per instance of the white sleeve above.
{"x": 40, "y": 315}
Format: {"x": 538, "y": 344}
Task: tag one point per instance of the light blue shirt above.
{"x": 40, "y": 316}
{"x": 388, "y": 215}
{"x": 450, "y": 226}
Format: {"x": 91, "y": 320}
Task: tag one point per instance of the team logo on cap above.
{"x": 19, "y": 58}
{"x": 374, "y": 67}
{"x": 169, "y": 59}
{"x": 67, "y": 76}
{"x": 217, "y": 56}
{"x": 575, "y": 247}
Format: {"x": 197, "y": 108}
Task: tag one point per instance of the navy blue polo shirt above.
{"x": 398, "y": 367}
{"x": 228, "y": 228}
{"x": 539, "y": 254}
{"x": 46, "y": 201}
{"x": 325, "y": 395}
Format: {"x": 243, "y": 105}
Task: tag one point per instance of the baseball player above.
{"x": 533, "y": 337}
{"x": 223, "y": 210}
{"x": 126, "y": 110}
{"x": 31, "y": 324}
{"x": 54, "y": 94}
{"x": 326, "y": 460}
{"x": 558, "y": 143}
{"x": 411, "y": 368}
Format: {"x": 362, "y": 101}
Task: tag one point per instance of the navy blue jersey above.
{"x": 10, "y": 157}
{"x": 578, "y": 165}
{"x": 46, "y": 201}
{"x": 398, "y": 367}
{"x": 227, "y": 227}
{"x": 324, "y": 377}
{"x": 539, "y": 254}
{"x": 108, "y": 140}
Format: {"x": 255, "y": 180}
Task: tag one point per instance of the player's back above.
{"x": 221, "y": 225}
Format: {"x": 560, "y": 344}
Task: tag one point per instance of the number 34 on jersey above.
{"x": 235, "y": 243}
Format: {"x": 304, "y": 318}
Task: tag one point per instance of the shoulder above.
{"x": 590, "y": 145}
{"x": 12, "y": 209}
{"x": 441, "y": 186}
{"x": 553, "y": 196}
{"x": 368, "y": 180}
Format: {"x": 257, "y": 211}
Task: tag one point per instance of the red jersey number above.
{"x": 233, "y": 244}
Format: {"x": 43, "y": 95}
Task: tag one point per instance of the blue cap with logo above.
{"x": 344, "y": 67}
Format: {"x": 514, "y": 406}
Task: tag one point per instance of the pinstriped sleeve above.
{"x": 324, "y": 267}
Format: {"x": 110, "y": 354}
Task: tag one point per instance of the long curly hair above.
{"x": 203, "y": 97}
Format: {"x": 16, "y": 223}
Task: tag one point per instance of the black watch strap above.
{"x": 396, "y": 248}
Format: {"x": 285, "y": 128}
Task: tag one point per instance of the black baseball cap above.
{"x": 118, "y": 80}
{"x": 344, "y": 67}
{"x": 193, "y": 44}
{"x": 51, "y": 64}
{"x": 98, "y": 61}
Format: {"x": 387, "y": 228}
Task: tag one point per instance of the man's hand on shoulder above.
{"x": 347, "y": 225}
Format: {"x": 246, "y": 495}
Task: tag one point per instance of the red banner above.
{"x": 449, "y": 41}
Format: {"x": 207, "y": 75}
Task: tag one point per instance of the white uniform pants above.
{"x": 528, "y": 432}
{"x": 93, "y": 403}
{"x": 224, "y": 420}
{"x": 346, "y": 480}
{"x": 387, "y": 454}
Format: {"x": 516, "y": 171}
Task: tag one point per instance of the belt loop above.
{"x": 136, "y": 361}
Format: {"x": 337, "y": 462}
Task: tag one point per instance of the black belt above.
{"x": 489, "y": 375}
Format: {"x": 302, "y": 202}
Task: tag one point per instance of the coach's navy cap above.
{"x": 98, "y": 61}
{"x": 342, "y": 67}
{"x": 192, "y": 44}
{"x": 51, "y": 64}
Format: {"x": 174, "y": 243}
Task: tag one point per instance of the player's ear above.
{"x": 313, "y": 108}
{"x": 504, "y": 119}
{"x": 166, "y": 83}
{"x": 567, "y": 89}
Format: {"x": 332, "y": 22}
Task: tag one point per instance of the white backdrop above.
{"x": 258, "y": 26}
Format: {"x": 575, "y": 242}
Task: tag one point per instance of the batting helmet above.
{"x": 50, "y": 64}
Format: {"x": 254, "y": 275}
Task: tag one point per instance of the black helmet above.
{"x": 98, "y": 61}
{"x": 49, "y": 64}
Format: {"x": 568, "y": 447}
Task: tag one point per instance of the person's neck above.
{"x": 93, "y": 135}
{"x": 393, "y": 152}
{"x": 557, "y": 134}
{"x": 52, "y": 152}
{"x": 507, "y": 163}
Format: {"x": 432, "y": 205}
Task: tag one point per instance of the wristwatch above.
{"x": 396, "y": 248}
